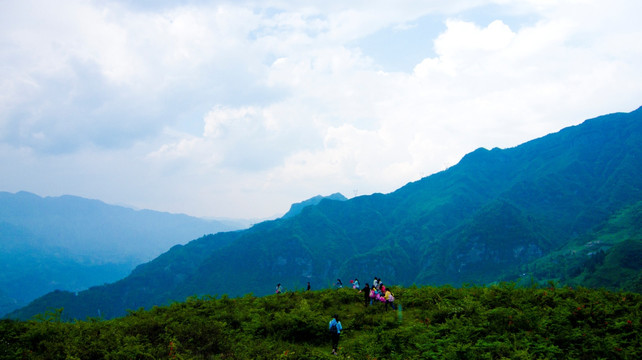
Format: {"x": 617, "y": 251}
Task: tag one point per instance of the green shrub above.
{"x": 502, "y": 321}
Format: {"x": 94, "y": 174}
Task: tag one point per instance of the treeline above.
{"x": 495, "y": 322}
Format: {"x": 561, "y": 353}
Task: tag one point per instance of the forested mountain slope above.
{"x": 492, "y": 216}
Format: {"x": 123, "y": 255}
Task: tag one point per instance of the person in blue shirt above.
{"x": 335, "y": 330}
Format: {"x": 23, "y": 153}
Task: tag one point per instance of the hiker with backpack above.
{"x": 335, "y": 331}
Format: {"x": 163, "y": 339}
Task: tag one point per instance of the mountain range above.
{"x": 564, "y": 208}
{"x": 72, "y": 243}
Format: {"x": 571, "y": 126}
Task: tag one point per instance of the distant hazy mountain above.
{"x": 565, "y": 207}
{"x": 71, "y": 243}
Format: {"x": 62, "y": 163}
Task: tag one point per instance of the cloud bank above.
{"x": 238, "y": 109}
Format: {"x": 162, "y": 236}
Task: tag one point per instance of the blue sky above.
{"x": 240, "y": 108}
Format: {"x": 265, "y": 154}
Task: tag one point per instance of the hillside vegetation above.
{"x": 503, "y": 321}
{"x": 610, "y": 256}
{"x": 565, "y": 207}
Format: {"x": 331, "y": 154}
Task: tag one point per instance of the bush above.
{"x": 496, "y": 322}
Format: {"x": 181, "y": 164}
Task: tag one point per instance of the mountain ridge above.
{"x": 488, "y": 218}
{"x": 72, "y": 243}
{"x": 298, "y": 207}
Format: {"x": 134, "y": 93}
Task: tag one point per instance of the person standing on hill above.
{"x": 390, "y": 298}
{"x": 308, "y": 286}
{"x": 373, "y": 294}
{"x": 278, "y": 288}
{"x": 335, "y": 331}
{"x": 366, "y": 294}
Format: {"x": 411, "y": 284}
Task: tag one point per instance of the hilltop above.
{"x": 497, "y": 322}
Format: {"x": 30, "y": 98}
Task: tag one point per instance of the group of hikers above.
{"x": 377, "y": 293}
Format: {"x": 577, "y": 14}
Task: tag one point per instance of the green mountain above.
{"x": 295, "y": 209}
{"x": 498, "y": 214}
{"x": 609, "y": 256}
{"x": 72, "y": 243}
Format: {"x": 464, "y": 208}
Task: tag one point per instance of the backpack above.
{"x": 333, "y": 328}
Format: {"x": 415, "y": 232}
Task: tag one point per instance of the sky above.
{"x": 237, "y": 109}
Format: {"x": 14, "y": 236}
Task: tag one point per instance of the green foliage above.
{"x": 609, "y": 257}
{"x": 503, "y": 321}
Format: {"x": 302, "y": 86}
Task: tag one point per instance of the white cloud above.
{"x": 241, "y": 108}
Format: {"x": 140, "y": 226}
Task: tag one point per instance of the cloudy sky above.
{"x": 240, "y": 108}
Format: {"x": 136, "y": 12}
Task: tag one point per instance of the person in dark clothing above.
{"x": 308, "y": 286}
{"x": 366, "y": 294}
